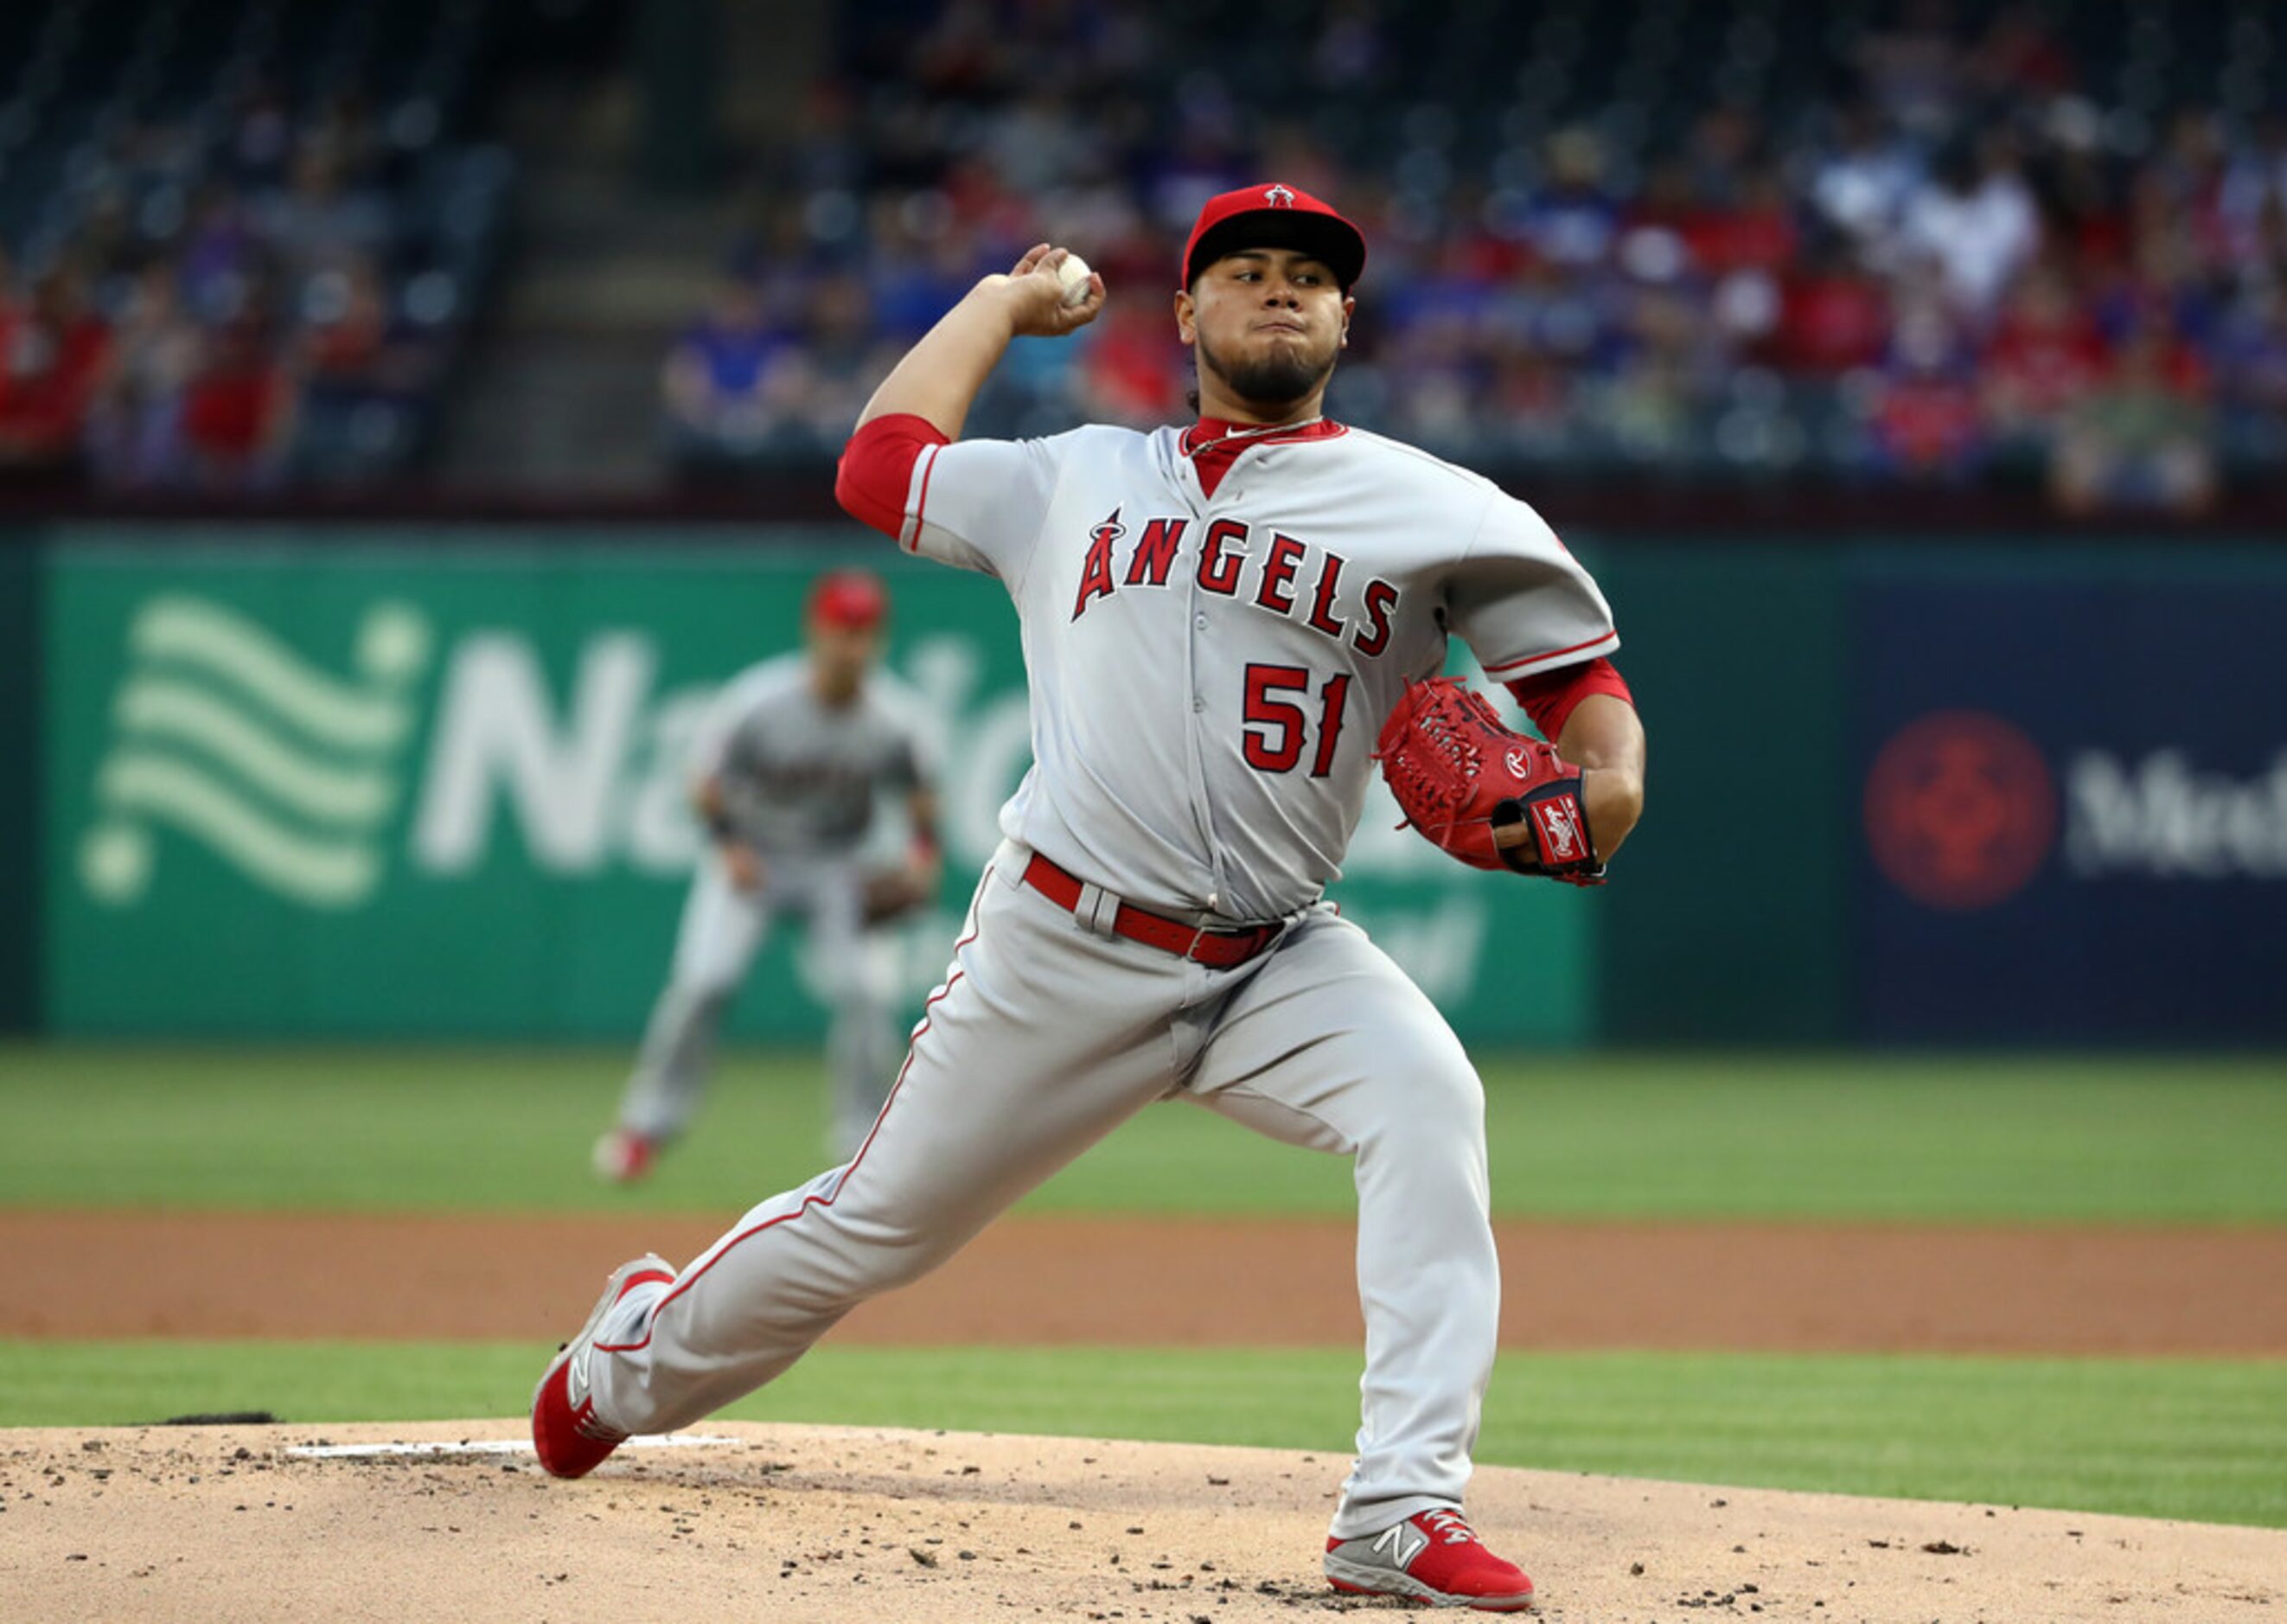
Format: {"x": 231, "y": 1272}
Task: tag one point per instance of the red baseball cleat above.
{"x": 624, "y": 1156}
{"x": 1434, "y": 1556}
{"x": 566, "y": 1434}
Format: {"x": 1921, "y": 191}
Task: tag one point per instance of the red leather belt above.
{"x": 1216, "y": 949}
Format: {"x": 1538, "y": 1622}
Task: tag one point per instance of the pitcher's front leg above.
{"x": 1330, "y": 1046}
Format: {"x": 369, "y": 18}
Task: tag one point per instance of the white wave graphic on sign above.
{"x": 225, "y": 735}
{"x": 226, "y": 646}
{"x": 165, "y": 710}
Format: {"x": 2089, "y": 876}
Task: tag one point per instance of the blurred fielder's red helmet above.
{"x": 851, "y": 598}
{"x": 1274, "y": 215}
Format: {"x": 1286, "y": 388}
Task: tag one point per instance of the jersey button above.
{"x": 1197, "y": 704}
{"x": 1201, "y": 622}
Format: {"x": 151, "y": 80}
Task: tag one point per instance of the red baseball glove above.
{"x": 1488, "y": 795}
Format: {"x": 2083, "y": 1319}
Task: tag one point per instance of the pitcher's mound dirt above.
{"x": 800, "y": 1524}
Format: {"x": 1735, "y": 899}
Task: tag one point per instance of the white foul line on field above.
{"x": 506, "y": 1445}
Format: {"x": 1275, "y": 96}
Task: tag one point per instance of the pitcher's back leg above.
{"x": 999, "y": 1088}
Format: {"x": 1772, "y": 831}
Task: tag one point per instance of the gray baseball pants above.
{"x": 1046, "y": 1036}
{"x": 721, "y": 930}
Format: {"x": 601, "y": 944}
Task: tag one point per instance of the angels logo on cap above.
{"x": 1274, "y": 215}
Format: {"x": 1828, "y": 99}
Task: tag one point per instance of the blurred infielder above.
{"x": 1226, "y": 625}
{"x": 785, "y": 773}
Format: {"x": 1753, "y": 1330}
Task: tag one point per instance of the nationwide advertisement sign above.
{"x": 2072, "y": 788}
{"x": 367, "y": 785}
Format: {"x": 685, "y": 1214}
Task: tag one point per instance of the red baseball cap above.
{"x": 1274, "y": 215}
{"x": 851, "y": 598}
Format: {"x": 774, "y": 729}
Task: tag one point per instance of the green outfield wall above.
{"x": 355, "y": 781}
{"x": 1731, "y": 923}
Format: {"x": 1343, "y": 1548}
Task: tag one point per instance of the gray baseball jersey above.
{"x": 1209, "y": 673}
{"x": 799, "y": 775}
{"x": 1211, "y": 657}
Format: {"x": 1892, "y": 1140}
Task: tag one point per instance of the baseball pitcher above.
{"x": 786, "y": 773}
{"x": 1227, "y": 627}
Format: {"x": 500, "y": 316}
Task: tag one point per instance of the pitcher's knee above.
{"x": 1434, "y": 1106}
{"x": 1434, "y": 1154}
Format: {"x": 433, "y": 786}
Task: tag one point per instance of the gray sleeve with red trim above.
{"x": 980, "y": 503}
{"x": 1522, "y": 601}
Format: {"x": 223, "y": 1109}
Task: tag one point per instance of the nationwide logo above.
{"x": 225, "y": 735}
{"x": 1960, "y": 810}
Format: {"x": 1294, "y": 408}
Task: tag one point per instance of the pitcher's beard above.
{"x": 1273, "y": 383}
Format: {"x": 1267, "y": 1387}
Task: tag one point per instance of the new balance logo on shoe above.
{"x": 1403, "y": 1543}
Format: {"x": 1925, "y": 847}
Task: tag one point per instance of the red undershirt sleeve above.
{"x": 1551, "y": 698}
{"x": 876, "y": 471}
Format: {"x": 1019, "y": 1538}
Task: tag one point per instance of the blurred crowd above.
{"x": 1959, "y": 259}
{"x": 231, "y": 310}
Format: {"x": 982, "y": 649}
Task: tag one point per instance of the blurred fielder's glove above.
{"x": 1487, "y": 795}
{"x": 888, "y": 893}
{"x": 913, "y": 885}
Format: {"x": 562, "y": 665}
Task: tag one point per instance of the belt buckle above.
{"x": 1256, "y": 937}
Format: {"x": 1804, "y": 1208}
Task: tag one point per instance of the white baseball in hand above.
{"x": 1073, "y": 276}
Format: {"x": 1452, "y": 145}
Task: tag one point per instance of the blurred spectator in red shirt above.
{"x": 353, "y": 344}
{"x": 2083, "y": 215}
{"x": 238, "y": 409}
{"x": 1756, "y": 232}
{"x": 1130, "y": 371}
{"x": 2042, "y": 356}
{"x": 1836, "y": 315}
{"x": 51, "y": 358}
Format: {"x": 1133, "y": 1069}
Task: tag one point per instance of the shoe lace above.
{"x": 1451, "y": 1525}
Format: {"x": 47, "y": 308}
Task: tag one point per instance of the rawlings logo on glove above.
{"x": 1487, "y": 795}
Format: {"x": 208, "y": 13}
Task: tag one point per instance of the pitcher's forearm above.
{"x": 1605, "y": 738}
{"x": 939, "y": 377}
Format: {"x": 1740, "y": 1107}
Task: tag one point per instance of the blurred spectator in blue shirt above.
{"x": 713, "y": 382}
{"x": 134, "y": 435}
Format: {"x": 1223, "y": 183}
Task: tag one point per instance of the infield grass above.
{"x": 2195, "y": 1439}
{"x": 2135, "y": 1139}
